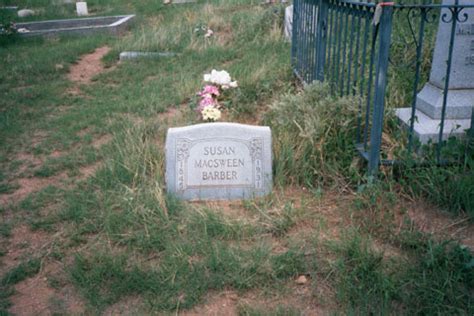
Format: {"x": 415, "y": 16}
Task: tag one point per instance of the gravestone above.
{"x": 81, "y": 8}
{"x": 218, "y": 161}
{"x": 460, "y": 99}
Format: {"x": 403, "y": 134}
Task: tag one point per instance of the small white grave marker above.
{"x": 218, "y": 161}
{"x": 81, "y": 8}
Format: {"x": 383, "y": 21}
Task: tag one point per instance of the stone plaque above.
{"x": 217, "y": 161}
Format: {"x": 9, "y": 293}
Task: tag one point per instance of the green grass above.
{"x": 21, "y": 272}
{"x": 120, "y": 235}
{"x": 364, "y": 284}
{"x": 436, "y": 279}
{"x": 313, "y": 138}
{"x": 182, "y": 275}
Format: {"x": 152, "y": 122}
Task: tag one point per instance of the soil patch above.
{"x": 173, "y": 114}
{"x": 101, "y": 141}
{"x": 432, "y": 220}
{"x": 35, "y": 296}
{"x": 30, "y": 185}
{"x": 127, "y": 306}
{"x": 32, "y": 297}
{"x": 224, "y": 304}
{"x": 88, "y": 171}
{"x": 88, "y": 66}
{"x": 23, "y": 243}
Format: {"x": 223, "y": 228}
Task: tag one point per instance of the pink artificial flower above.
{"x": 207, "y": 100}
{"x": 210, "y": 89}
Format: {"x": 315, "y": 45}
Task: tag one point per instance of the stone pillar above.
{"x": 460, "y": 99}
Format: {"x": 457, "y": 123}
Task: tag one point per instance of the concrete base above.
{"x": 459, "y": 105}
{"x": 427, "y": 129}
{"x": 113, "y": 25}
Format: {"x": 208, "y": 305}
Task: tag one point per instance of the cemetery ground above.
{"x": 86, "y": 224}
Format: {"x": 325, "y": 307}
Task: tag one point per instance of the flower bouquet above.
{"x": 211, "y": 97}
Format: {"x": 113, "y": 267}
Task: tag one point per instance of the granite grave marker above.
{"x": 218, "y": 161}
{"x": 461, "y": 85}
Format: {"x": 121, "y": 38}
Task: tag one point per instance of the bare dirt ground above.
{"x": 429, "y": 219}
{"x": 43, "y": 294}
{"x": 36, "y": 296}
{"x": 88, "y": 66}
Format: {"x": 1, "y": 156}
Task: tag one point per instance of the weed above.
{"x": 179, "y": 280}
{"x": 6, "y": 188}
{"x": 375, "y": 207}
{"x": 313, "y": 135}
{"x": 451, "y": 187}
{"x": 5, "y": 229}
{"x": 437, "y": 279}
{"x": 363, "y": 282}
{"x": 440, "y": 282}
{"x": 213, "y": 225}
{"x": 289, "y": 264}
{"x": 282, "y": 221}
{"x": 21, "y": 272}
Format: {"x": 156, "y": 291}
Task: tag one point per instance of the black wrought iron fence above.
{"x": 382, "y": 51}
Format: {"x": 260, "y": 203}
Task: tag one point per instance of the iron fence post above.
{"x": 385, "y": 28}
{"x": 321, "y": 36}
{"x": 294, "y": 37}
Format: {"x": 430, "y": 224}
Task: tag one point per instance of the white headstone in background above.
{"x": 289, "y": 22}
{"x": 219, "y": 161}
{"x": 25, "y": 13}
{"x": 81, "y": 8}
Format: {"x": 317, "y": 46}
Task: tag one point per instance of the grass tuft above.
{"x": 313, "y": 137}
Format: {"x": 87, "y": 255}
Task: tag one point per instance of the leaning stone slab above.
{"x": 9, "y": 8}
{"x": 183, "y": 1}
{"x": 179, "y": 1}
{"x": 145, "y": 55}
{"x": 219, "y": 161}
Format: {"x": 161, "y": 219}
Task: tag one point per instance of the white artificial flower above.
{"x": 210, "y": 113}
{"x": 233, "y": 84}
{"x": 209, "y": 33}
{"x": 221, "y": 78}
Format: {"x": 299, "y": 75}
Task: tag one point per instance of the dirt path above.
{"x": 88, "y": 66}
{"x": 48, "y": 292}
